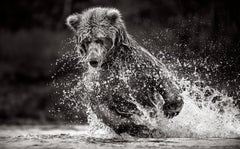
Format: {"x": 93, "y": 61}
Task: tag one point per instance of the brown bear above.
{"x": 124, "y": 76}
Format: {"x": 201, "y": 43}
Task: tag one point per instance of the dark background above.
{"x": 203, "y": 34}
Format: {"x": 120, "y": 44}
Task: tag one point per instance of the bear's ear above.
{"x": 113, "y": 15}
{"x": 73, "y": 21}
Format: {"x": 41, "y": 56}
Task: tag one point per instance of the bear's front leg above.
{"x": 172, "y": 108}
{"x": 120, "y": 124}
{"x": 173, "y": 101}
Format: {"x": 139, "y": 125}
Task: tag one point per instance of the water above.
{"x": 70, "y": 136}
{"x": 206, "y": 113}
{"x": 209, "y": 118}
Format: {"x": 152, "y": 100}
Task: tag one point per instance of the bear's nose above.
{"x": 93, "y": 63}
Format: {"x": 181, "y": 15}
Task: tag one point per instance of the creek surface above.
{"x": 77, "y": 136}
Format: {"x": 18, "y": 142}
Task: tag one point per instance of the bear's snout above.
{"x": 94, "y": 57}
{"x": 94, "y": 63}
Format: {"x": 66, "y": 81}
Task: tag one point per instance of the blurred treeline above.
{"x": 33, "y": 34}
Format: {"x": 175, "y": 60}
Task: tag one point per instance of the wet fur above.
{"x": 128, "y": 74}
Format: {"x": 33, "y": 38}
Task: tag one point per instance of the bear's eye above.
{"x": 85, "y": 44}
{"x": 108, "y": 43}
{"x": 99, "y": 41}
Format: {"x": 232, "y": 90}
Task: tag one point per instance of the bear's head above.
{"x": 98, "y": 31}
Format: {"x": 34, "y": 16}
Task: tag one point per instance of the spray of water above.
{"x": 211, "y": 115}
{"x": 207, "y": 112}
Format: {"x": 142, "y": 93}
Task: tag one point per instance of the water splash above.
{"x": 207, "y": 112}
